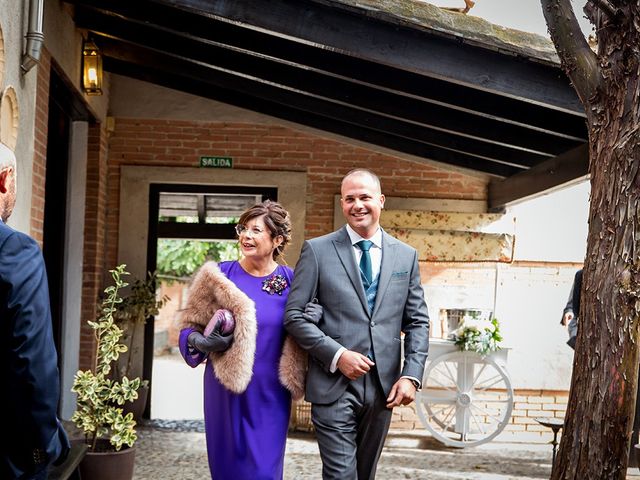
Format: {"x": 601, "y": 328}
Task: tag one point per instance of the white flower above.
{"x": 481, "y": 336}
{"x": 485, "y": 325}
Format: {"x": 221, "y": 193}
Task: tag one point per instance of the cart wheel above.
{"x": 466, "y": 399}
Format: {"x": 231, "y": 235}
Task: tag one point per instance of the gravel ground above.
{"x": 172, "y": 450}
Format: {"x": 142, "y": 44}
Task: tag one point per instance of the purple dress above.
{"x": 246, "y": 433}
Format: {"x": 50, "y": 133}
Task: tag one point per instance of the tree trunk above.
{"x": 597, "y": 430}
{"x": 598, "y": 423}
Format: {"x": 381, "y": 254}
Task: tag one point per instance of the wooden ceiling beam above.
{"x": 454, "y": 145}
{"x": 334, "y": 67}
{"x": 557, "y": 172}
{"x": 292, "y": 109}
{"x": 344, "y": 28}
{"x": 213, "y": 29}
{"x": 530, "y": 145}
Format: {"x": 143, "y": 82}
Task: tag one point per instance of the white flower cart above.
{"x": 466, "y": 399}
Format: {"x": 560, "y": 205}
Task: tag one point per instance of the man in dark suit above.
{"x": 571, "y": 312}
{"x": 368, "y": 284}
{"x": 33, "y": 436}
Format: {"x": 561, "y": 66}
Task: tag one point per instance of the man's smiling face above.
{"x": 362, "y": 203}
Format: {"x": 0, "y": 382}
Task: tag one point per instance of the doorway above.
{"x": 135, "y": 225}
{"x": 65, "y": 182}
{"x": 188, "y": 225}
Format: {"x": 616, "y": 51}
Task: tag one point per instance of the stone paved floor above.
{"x": 175, "y": 450}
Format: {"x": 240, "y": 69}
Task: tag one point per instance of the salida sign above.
{"x": 216, "y": 162}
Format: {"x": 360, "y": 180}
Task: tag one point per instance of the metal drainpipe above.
{"x": 35, "y": 36}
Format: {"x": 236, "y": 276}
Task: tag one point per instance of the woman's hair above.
{"x": 276, "y": 218}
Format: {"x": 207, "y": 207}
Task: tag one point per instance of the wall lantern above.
{"x": 91, "y": 69}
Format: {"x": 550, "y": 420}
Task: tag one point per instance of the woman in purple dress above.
{"x": 247, "y": 402}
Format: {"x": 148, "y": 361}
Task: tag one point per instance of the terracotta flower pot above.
{"x": 108, "y": 465}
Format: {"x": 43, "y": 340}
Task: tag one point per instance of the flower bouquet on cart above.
{"x": 477, "y": 335}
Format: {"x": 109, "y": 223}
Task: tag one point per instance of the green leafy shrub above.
{"x": 181, "y": 258}
{"x": 99, "y": 413}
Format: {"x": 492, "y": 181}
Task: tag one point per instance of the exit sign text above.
{"x": 216, "y": 162}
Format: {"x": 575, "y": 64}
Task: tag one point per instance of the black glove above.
{"x": 313, "y": 312}
{"x": 214, "y": 342}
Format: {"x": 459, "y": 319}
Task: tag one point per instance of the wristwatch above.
{"x": 415, "y": 383}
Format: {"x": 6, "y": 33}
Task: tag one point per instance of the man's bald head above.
{"x": 7, "y": 182}
{"x": 7, "y": 157}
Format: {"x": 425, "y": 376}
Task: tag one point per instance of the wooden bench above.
{"x": 69, "y": 468}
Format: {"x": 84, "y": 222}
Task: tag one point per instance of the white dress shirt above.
{"x": 375, "y": 252}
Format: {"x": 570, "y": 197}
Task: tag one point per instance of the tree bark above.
{"x": 598, "y": 422}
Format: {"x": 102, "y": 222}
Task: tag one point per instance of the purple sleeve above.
{"x": 192, "y": 356}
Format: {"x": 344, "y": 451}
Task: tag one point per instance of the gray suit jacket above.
{"x": 327, "y": 270}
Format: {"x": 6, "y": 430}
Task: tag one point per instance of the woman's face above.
{"x": 256, "y": 241}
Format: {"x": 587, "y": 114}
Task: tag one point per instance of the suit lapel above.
{"x": 386, "y": 268}
{"x": 344, "y": 249}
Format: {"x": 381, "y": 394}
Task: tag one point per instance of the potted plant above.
{"x": 109, "y": 433}
{"x": 131, "y": 315}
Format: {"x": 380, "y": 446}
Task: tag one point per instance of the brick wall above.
{"x": 40, "y": 147}
{"x": 260, "y": 147}
{"x": 531, "y": 404}
{"x": 522, "y": 427}
{"x": 94, "y": 238}
{"x": 253, "y": 147}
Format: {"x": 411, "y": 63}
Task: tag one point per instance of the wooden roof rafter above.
{"x": 330, "y": 65}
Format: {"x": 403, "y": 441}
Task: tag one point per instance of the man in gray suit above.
{"x": 368, "y": 284}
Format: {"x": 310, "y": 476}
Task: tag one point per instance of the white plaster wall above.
{"x": 13, "y": 24}
{"x": 133, "y": 98}
{"x": 530, "y": 309}
{"x": 134, "y": 192}
{"x": 553, "y": 227}
{"x": 64, "y": 42}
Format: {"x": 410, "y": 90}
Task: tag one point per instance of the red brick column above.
{"x": 94, "y": 238}
{"x": 40, "y": 147}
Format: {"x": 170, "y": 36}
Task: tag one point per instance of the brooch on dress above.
{"x": 274, "y": 284}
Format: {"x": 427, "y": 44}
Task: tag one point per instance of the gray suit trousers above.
{"x": 351, "y": 430}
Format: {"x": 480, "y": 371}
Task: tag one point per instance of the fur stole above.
{"x": 211, "y": 290}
